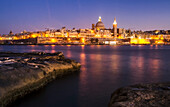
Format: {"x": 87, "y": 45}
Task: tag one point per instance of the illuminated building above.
{"x": 121, "y": 33}
{"x": 93, "y": 26}
{"x": 73, "y": 33}
{"x": 139, "y": 41}
{"x": 98, "y": 34}
{"x": 58, "y": 34}
{"x": 115, "y": 28}
{"x": 86, "y": 33}
{"x": 99, "y": 24}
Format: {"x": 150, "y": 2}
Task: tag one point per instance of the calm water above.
{"x": 104, "y": 69}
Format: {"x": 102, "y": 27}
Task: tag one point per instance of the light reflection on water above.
{"x": 104, "y": 69}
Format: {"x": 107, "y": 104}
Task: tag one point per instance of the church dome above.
{"x": 99, "y": 24}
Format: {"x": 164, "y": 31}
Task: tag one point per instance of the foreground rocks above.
{"x": 22, "y": 73}
{"x": 142, "y": 95}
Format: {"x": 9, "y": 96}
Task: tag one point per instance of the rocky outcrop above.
{"x": 142, "y": 95}
{"x": 22, "y": 73}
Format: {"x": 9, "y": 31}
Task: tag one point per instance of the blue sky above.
{"x": 34, "y": 15}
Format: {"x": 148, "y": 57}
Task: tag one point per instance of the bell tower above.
{"x": 115, "y": 28}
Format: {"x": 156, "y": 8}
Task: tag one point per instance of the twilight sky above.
{"x": 34, "y": 15}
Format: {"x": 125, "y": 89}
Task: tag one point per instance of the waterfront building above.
{"x": 58, "y": 34}
{"x": 72, "y": 33}
{"x": 98, "y": 34}
{"x": 115, "y": 28}
{"x": 167, "y": 37}
{"x": 86, "y": 33}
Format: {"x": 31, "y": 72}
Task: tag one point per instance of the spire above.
{"x": 100, "y": 19}
{"x": 115, "y": 23}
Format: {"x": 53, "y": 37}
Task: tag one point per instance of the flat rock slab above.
{"x": 142, "y": 95}
{"x": 30, "y": 70}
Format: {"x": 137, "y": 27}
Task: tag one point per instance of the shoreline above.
{"x": 83, "y": 44}
{"x": 57, "y": 72}
{"x": 15, "y": 94}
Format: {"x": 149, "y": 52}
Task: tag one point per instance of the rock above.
{"x": 22, "y": 73}
{"x": 142, "y": 95}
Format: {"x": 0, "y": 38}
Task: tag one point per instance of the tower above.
{"x": 93, "y": 26}
{"x": 115, "y": 28}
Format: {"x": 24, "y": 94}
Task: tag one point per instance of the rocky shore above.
{"x": 142, "y": 95}
{"x": 22, "y": 73}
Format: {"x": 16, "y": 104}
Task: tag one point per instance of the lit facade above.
{"x": 98, "y": 34}
{"x": 115, "y": 28}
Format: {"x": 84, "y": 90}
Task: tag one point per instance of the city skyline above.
{"x": 40, "y": 14}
